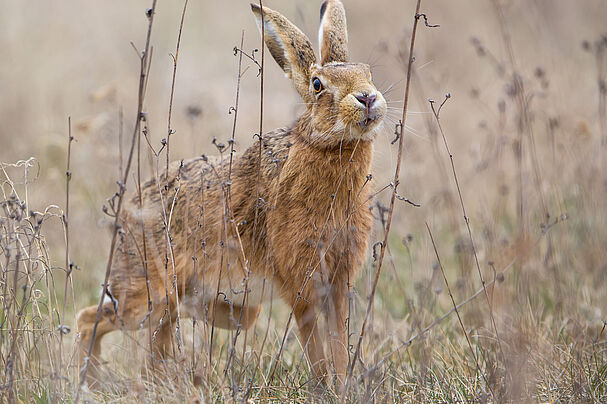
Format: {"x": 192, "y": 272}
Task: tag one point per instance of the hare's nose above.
{"x": 366, "y": 99}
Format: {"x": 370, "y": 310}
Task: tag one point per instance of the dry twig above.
{"x": 144, "y": 64}
{"x": 401, "y": 144}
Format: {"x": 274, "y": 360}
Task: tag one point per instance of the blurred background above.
{"x": 73, "y": 59}
{"x": 525, "y": 121}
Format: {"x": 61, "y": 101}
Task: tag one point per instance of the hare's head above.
{"x": 342, "y": 102}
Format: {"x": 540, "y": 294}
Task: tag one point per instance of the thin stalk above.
{"x": 66, "y": 214}
{"x": 401, "y": 144}
{"x": 436, "y": 113}
{"x": 121, "y": 190}
{"x": 229, "y": 202}
{"x": 263, "y": 44}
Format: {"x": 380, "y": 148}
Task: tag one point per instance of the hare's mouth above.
{"x": 369, "y": 121}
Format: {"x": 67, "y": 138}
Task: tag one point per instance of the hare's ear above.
{"x": 333, "y": 32}
{"x": 289, "y": 46}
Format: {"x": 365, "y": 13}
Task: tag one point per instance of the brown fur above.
{"x": 303, "y": 230}
{"x": 333, "y": 34}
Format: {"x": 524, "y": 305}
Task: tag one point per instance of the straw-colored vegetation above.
{"x": 525, "y": 123}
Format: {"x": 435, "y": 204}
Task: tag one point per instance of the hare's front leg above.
{"x": 305, "y": 315}
{"x": 338, "y": 333}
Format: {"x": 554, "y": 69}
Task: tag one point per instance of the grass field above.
{"x": 526, "y": 126}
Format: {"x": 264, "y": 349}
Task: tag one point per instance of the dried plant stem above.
{"x": 436, "y": 113}
{"x": 9, "y": 373}
{"x": 166, "y": 216}
{"x": 120, "y": 132}
{"x": 66, "y": 214}
{"x": 236, "y": 103}
{"x": 348, "y": 280}
{"x": 401, "y": 144}
{"x": 175, "y": 58}
{"x": 260, "y": 134}
{"x": 459, "y": 318}
{"x": 258, "y": 179}
{"x": 144, "y": 60}
{"x": 602, "y": 99}
{"x": 143, "y": 233}
{"x": 222, "y": 243}
{"x": 229, "y": 202}
{"x": 144, "y": 257}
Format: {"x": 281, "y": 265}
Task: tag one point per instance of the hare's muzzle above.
{"x": 371, "y": 110}
{"x": 367, "y": 100}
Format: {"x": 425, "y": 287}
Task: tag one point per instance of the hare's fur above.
{"x": 294, "y": 224}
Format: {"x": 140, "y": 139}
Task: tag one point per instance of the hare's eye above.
{"x": 317, "y": 85}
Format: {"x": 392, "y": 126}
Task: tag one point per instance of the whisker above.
{"x": 324, "y": 135}
{"x": 399, "y": 110}
{"x": 425, "y": 64}
{"x": 391, "y": 87}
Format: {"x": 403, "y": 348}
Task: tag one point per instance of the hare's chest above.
{"x": 301, "y": 238}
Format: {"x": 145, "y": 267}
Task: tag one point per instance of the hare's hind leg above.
{"x": 86, "y": 323}
{"x": 128, "y": 318}
{"x": 227, "y": 316}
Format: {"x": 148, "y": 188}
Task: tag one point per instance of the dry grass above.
{"x": 526, "y": 125}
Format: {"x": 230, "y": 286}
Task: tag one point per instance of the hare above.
{"x": 292, "y": 220}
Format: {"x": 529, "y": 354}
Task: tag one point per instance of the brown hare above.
{"x": 295, "y": 224}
